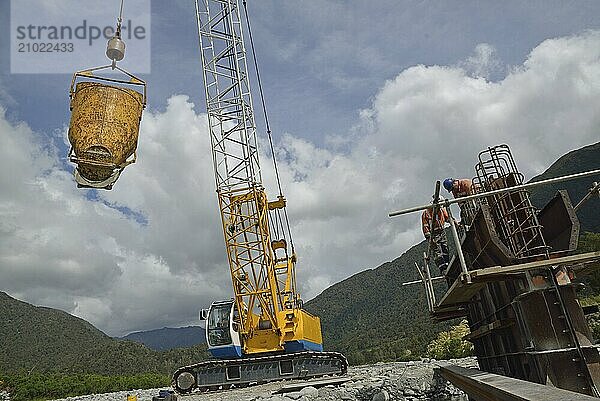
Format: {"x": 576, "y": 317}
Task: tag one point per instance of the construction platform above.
{"x": 463, "y": 289}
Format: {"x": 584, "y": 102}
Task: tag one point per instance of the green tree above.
{"x": 590, "y": 242}
{"x": 450, "y": 344}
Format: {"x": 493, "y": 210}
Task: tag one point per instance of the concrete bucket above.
{"x": 103, "y": 131}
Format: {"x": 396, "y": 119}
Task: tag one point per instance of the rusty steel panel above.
{"x": 545, "y": 326}
{"x": 560, "y": 223}
{"x": 483, "y": 243}
{"x": 482, "y": 246}
{"x": 562, "y": 369}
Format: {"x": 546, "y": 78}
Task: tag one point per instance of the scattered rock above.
{"x": 294, "y": 395}
{"x": 400, "y": 381}
{"x": 381, "y": 396}
{"x": 310, "y": 392}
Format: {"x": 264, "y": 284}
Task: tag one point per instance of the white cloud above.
{"x": 483, "y": 63}
{"x": 60, "y": 248}
{"x": 429, "y": 123}
{"x": 5, "y": 97}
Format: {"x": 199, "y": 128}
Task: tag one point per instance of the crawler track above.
{"x": 224, "y": 374}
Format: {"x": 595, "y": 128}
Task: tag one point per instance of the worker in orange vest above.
{"x": 434, "y": 231}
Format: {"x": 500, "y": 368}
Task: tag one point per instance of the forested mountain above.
{"x": 169, "y": 337}
{"x": 40, "y": 339}
{"x": 371, "y": 316}
{"x": 576, "y": 161}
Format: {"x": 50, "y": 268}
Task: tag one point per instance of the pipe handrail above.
{"x": 448, "y": 202}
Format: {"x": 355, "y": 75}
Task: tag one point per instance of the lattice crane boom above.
{"x": 263, "y": 334}
{"x": 262, "y": 267}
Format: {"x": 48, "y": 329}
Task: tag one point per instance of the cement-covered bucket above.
{"x": 104, "y": 128}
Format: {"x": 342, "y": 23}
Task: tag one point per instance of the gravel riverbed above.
{"x": 403, "y": 381}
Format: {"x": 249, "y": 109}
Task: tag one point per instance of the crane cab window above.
{"x": 236, "y": 320}
{"x": 218, "y": 325}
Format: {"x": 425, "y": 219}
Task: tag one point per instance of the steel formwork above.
{"x": 511, "y": 277}
{"x": 514, "y": 216}
{"x": 527, "y": 325}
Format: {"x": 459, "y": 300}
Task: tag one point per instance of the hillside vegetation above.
{"x": 49, "y": 386}
{"x": 576, "y": 161}
{"x": 372, "y": 317}
{"x": 39, "y": 339}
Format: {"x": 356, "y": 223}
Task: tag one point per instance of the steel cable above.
{"x": 264, "y": 107}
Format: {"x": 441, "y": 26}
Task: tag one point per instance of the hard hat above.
{"x": 448, "y": 182}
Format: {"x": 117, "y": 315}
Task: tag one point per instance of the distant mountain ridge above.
{"x": 169, "y": 337}
{"x": 50, "y": 340}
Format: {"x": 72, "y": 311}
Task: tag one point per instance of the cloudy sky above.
{"x": 369, "y": 102}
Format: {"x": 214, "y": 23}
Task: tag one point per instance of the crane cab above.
{"x": 222, "y": 330}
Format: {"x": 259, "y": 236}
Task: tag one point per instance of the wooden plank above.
{"x": 459, "y": 293}
{"x": 489, "y": 273}
{"x": 487, "y": 328}
{"x": 487, "y": 386}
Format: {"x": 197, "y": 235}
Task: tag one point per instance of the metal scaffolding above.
{"x": 511, "y": 278}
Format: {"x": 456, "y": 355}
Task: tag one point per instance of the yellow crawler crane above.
{"x": 263, "y": 333}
